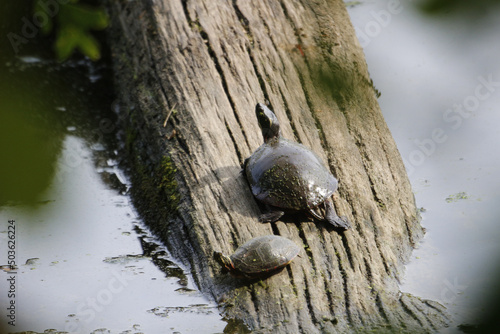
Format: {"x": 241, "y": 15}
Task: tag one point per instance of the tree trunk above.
{"x": 188, "y": 74}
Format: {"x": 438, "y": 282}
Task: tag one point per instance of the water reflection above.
{"x": 30, "y": 137}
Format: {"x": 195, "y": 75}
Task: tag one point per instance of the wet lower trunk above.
{"x": 189, "y": 74}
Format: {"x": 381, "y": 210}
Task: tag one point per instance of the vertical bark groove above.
{"x": 306, "y": 247}
{"x": 235, "y": 145}
{"x": 309, "y": 302}
{"x": 289, "y": 117}
{"x": 260, "y": 78}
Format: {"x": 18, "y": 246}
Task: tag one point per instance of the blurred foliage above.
{"x": 29, "y": 147}
{"x": 40, "y": 98}
{"x": 468, "y": 7}
{"x": 74, "y": 22}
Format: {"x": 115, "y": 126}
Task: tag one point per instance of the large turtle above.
{"x": 285, "y": 175}
{"x": 259, "y": 257}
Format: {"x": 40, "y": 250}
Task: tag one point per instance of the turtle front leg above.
{"x": 272, "y": 215}
{"x": 332, "y": 218}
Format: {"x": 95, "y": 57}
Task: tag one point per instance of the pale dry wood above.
{"x": 213, "y": 61}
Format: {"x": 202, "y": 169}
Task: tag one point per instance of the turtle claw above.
{"x": 331, "y": 217}
{"x": 340, "y": 222}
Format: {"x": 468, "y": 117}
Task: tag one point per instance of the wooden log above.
{"x": 189, "y": 74}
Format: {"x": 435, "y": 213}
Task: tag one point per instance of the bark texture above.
{"x": 189, "y": 73}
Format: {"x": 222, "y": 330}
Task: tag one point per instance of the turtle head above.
{"x": 224, "y": 260}
{"x": 268, "y": 122}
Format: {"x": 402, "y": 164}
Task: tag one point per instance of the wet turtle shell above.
{"x": 286, "y": 175}
{"x": 260, "y": 256}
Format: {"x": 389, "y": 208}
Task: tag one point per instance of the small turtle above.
{"x": 259, "y": 257}
{"x": 285, "y": 175}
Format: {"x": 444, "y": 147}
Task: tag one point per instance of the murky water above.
{"x": 84, "y": 260}
{"x": 440, "y": 84}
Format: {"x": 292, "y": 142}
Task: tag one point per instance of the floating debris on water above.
{"x": 196, "y": 308}
{"x": 32, "y": 261}
{"x": 187, "y": 291}
{"x": 456, "y": 197}
{"x": 123, "y": 259}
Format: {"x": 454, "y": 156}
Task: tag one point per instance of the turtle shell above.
{"x": 288, "y": 175}
{"x": 264, "y": 254}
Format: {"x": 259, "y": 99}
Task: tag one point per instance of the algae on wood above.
{"x": 213, "y": 61}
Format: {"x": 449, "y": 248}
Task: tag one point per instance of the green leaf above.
{"x": 76, "y": 20}
{"x": 73, "y": 29}
{"x": 89, "y": 46}
{"x": 66, "y": 42}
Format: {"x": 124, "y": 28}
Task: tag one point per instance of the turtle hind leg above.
{"x": 332, "y": 218}
{"x": 272, "y": 215}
